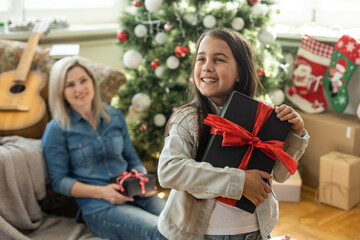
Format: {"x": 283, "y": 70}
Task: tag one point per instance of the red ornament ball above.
{"x": 143, "y": 127}
{"x": 182, "y": 51}
{"x": 260, "y": 72}
{"x": 168, "y": 27}
{"x": 252, "y": 2}
{"x": 136, "y": 3}
{"x": 154, "y": 64}
{"x": 122, "y": 36}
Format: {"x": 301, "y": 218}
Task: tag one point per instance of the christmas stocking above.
{"x": 344, "y": 62}
{"x": 312, "y": 61}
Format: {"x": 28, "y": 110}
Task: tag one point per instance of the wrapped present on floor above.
{"x": 133, "y": 183}
{"x": 339, "y": 180}
{"x": 246, "y": 135}
{"x": 290, "y": 190}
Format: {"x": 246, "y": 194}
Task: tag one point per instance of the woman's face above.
{"x": 79, "y": 89}
{"x": 215, "y": 71}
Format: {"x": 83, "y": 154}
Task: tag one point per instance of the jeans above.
{"x": 129, "y": 221}
{"x": 247, "y": 236}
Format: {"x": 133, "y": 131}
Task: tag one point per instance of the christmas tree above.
{"x": 158, "y": 39}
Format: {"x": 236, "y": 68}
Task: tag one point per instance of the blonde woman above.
{"x": 85, "y": 144}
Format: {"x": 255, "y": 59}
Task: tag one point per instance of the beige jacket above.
{"x": 195, "y": 184}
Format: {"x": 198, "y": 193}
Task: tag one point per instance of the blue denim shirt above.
{"x": 90, "y": 156}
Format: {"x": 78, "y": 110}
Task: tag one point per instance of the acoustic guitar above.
{"x": 23, "y": 109}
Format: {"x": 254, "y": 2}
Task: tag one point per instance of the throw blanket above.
{"x": 23, "y": 177}
{"x": 22, "y": 183}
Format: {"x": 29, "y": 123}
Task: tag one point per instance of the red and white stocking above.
{"x": 306, "y": 90}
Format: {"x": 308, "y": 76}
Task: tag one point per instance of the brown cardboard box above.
{"x": 290, "y": 190}
{"x": 339, "y": 180}
{"x": 329, "y": 131}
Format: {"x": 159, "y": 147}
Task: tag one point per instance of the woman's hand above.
{"x": 286, "y": 113}
{"x": 111, "y": 194}
{"x": 255, "y": 189}
{"x": 148, "y": 194}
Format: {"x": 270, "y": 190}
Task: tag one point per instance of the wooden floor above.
{"x": 309, "y": 220}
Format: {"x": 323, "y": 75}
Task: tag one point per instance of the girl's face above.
{"x": 215, "y": 71}
{"x": 79, "y": 89}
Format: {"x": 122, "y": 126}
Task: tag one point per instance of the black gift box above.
{"x": 132, "y": 186}
{"x": 241, "y": 109}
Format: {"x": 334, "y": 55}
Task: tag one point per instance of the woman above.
{"x": 85, "y": 144}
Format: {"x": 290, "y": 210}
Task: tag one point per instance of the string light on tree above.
{"x": 140, "y": 102}
{"x": 132, "y": 59}
{"x": 190, "y": 18}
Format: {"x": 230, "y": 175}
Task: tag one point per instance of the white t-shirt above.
{"x": 228, "y": 220}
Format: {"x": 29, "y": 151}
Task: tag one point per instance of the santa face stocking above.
{"x": 344, "y": 62}
{"x": 312, "y": 61}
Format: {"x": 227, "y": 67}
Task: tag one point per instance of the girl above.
{"x": 223, "y": 63}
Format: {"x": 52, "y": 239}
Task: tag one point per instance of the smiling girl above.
{"x": 223, "y": 63}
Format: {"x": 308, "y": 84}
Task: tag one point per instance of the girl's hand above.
{"x": 111, "y": 194}
{"x": 286, "y": 113}
{"x": 255, "y": 189}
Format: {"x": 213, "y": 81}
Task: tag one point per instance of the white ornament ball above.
{"x": 153, "y": 6}
{"x": 159, "y": 120}
{"x": 358, "y": 111}
{"x": 140, "y": 30}
{"x": 190, "y": 18}
{"x": 159, "y": 71}
{"x": 132, "y": 59}
{"x": 277, "y": 97}
{"x": 238, "y": 23}
{"x": 172, "y": 62}
{"x": 160, "y": 38}
{"x": 259, "y": 9}
{"x": 267, "y": 35}
{"x": 140, "y": 102}
{"x": 209, "y": 21}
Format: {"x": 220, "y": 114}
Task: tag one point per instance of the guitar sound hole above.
{"x": 17, "y": 88}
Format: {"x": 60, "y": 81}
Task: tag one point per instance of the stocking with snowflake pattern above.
{"x": 312, "y": 61}
{"x": 344, "y": 62}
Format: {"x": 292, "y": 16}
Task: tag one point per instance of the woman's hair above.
{"x": 59, "y": 107}
{"x": 247, "y": 74}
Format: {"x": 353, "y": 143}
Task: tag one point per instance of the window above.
{"x": 330, "y": 13}
{"x": 75, "y": 12}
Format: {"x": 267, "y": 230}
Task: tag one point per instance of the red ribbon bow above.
{"x": 235, "y": 135}
{"x": 133, "y": 173}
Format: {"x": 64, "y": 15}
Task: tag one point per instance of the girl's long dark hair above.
{"x": 249, "y": 81}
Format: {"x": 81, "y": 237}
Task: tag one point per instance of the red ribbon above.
{"x": 135, "y": 174}
{"x": 237, "y": 136}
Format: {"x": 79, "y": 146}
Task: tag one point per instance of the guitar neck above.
{"x": 26, "y": 59}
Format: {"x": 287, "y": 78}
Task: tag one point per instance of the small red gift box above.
{"x": 247, "y": 135}
{"x": 133, "y": 183}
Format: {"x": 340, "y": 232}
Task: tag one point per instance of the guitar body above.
{"x": 22, "y": 108}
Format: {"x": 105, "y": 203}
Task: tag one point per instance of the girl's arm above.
{"x": 177, "y": 168}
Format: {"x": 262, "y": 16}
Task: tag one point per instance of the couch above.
{"x": 29, "y": 208}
